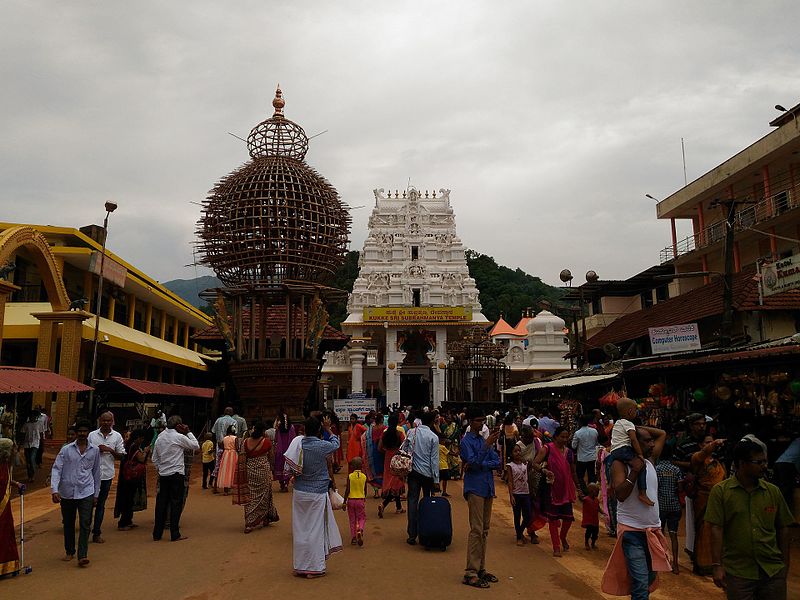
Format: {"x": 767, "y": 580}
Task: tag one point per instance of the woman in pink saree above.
{"x": 556, "y": 502}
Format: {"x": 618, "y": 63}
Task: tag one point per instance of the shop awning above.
{"x": 728, "y": 359}
{"x": 154, "y": 388}
{"x": 15, "y": 380}
{"x": 560, "y": 383}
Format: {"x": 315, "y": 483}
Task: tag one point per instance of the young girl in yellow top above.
{"x": 355, "y": 501}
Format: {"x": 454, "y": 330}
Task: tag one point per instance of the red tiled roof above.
{"x": 502, "y": 328}
{"x": 700, "y": 303}
{"x": 154, "y": 388}
{"x": 522, "y": 327}
{"x": 275, "y": 325}
{"x": 24, "y": 379}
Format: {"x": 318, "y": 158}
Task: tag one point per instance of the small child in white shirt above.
{"x": 625, "y": 446}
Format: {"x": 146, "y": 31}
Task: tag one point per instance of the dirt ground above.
{"x": 219, "y": 561}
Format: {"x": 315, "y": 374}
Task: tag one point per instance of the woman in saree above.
{"x": 9, "y": 556}
{"x": 315, "y": 535}
{"x": 393, "y": 486}
{"x": 558, "y": 496}
{"x": 227, "y": 465}
{"x": 708, "y": 472}
{"x": 338, "y": 456}
{"x": 253, "y": 487}
{"x": 284, "y": 434}
{"x": 371, "y": 452}
{"x": 530, "y": 446}
{"x": 131, "y": 493}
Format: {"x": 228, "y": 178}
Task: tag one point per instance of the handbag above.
{"x": 401, "y": 463}
{"x": 336, "y": 499}
{"x": 133, "y": 469}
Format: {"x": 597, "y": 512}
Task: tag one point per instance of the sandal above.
{"x": 475, "y": 581}
{"x": 486, "y": 576}
{"x": 400, "y": 511}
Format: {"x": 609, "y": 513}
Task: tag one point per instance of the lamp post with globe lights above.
{"x": 591, "y": 277}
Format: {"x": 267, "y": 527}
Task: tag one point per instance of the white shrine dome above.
{"x": 545, "y": 322}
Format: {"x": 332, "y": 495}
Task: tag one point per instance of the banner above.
{"x": 345, "y": 407}
{"x": 677, "y": 338}
{"x": 112, "y": 270}
{"x": 403, "y": 314}
{"x": 781, "y": 275}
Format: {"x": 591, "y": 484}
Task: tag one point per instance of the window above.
{"x": 414, "y": 252}
{"x": 416, "y": 296}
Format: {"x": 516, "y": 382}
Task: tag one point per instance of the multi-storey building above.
{"x": 47, "y": 301}
{"x": 763, "y": 183}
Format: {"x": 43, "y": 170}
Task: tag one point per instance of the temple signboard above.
{"x": 417, "y": 314}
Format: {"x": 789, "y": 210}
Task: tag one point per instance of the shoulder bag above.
{"x": 401, "y": 463}
{"x": 133, "y": 470}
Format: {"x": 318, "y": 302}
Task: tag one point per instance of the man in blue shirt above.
{"x": 584, "y": 442}
{"x": 547, "y": 423}
{"x": 75, "y": 484}
{"x": 480, "y": 460}
{"x": 423, "y": 445}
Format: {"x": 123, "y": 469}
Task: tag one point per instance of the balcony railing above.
{"x": 751, "y": 215}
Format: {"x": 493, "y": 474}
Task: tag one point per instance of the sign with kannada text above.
{"x": 344, "y": 407}
{"x": 405, "y": 314}
{"x": 112, "y": 270}
{"x": 676, "y": 338}
{"x": 781, "y": 275}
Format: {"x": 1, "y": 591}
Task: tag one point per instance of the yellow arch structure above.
{"x": 24, "y": 236}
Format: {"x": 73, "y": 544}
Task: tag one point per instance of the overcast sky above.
{"x": 549, "y": 121}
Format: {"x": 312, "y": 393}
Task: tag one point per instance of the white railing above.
{"x": 766, "y": 209}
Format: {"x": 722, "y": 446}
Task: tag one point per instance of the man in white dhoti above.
{"x": 314, "y": 531}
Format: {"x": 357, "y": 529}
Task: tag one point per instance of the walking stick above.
{"x": 25, "y": 570}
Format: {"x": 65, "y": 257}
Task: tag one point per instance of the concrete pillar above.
{"x": 393, "y": 361}
{"x": 6, "y": 289}
{"x": 69, "y": 362}
{"x": 45, "y": 352}
{"x": 438, "y": 365}
{"x": 131, "y": 310}
{"x": 357, "y": 354}
{"x": 148, "y": 316}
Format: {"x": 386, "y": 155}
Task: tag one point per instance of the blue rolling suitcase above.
{"x": 435, "y": 523}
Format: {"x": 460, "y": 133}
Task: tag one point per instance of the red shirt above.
{"x": 591, "y": 511}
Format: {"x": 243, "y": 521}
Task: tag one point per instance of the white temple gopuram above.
{"x": 412, "y": 296}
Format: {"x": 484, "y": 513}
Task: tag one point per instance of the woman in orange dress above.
{"x": 227, "y": 464}
{"x": 355, "y": 431}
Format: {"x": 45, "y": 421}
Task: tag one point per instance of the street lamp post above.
{"x": 591, "y": 277}
{"x": 110, "y": 207}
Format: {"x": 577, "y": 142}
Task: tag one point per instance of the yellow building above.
{"x": 144, "y": 329}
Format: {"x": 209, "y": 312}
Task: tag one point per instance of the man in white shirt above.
{"x": 112, "y": 448}
{"x": 44, "y": 427}
{"x": 32, "y": 438}
{"x": 168, "y": 457}
{"x": 75, "y": 485}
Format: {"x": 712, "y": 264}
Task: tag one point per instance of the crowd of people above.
{"x": 639, "y": 480}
